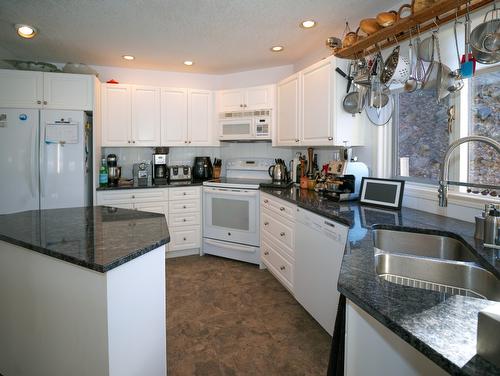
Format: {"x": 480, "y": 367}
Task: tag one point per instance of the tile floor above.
{"x": 226, "y": 317}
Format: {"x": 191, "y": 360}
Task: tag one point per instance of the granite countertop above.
{"x": 441, "y": 326}
{"x": 95, "y": 237}
{"x": 172, "y": 184}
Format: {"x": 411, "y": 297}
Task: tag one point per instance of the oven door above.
{"x": 231, "y": 215}
{"x": 237, "y": 129}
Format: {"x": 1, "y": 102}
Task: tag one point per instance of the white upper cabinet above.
{"x": 67, "y": 91}
{"x": 317, "y": 105}
{"x": 146, "y": 127}
{"x": 174, "y": 116}
{"x": 116, "y": 115}
{"x": 200, "y": 118}
{"x": 310, "y": 109}
{"x": 231, "y": 100}
{"x": 288, "y": 116}
{"x": 64, "y": 91}
{"x": 251, "y": 98}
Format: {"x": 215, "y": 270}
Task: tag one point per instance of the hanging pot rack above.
{"x": 439, "y": 14}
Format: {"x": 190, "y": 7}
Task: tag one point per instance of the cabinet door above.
{"x": 174, "y": 117}
{"x": 260, "y": 97}
{"x": 21, "y": 89}
{"x": 160, "y": 208}
{"x": 288, "y": 116}
{"x": 200, "y": 122}
{"x": 146, "y": 127}
{"x": 231, "y": 100}
{"x": 317, "y": 97}
{"x": 116, "y": 115}
{"x": 64, "y": 91}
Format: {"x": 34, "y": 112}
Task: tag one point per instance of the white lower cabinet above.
{"x": 181, "y": 207}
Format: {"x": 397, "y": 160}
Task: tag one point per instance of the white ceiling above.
{"x": 221, "y": 36}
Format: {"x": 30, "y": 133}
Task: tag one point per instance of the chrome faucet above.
{"x": 445, "y": 167}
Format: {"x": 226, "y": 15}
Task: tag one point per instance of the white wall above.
{"x": 194, "y": 80}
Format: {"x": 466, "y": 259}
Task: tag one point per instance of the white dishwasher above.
{"x": 319, "y": 249}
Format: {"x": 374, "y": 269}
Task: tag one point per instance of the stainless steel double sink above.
{"x": 432, "y": 262}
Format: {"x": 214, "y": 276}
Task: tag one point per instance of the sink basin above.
{"x": 432, "y": 262}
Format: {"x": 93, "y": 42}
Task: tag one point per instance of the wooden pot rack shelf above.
{"x": 440, "y": 13}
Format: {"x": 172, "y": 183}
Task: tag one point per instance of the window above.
{"x": 421, "y": 133}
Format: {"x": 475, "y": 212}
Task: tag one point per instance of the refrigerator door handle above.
{"x": 42, "y": 161}
{"x": 31, "y": 168}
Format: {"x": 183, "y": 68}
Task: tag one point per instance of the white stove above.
{"x": 231, "y": 210}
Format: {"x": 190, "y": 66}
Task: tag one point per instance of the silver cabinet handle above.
{"x": 39, "y": 102}
{"x": 266, "y": 223}
{"x": 282, "y": 209}
{"x": 266, "y": 201}
{"x": 330, "y": 138}
{"x": 282, "y": 234}
{"x": 266, "y": 253}
{"x": 282, "y": 267}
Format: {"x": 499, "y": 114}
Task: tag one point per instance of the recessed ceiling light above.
{"x": 188, "y": 62}
{"x": 25, "y": 31}
{"x": 307, "y": 24}
{"x": 128, "y": 57}
{"x": 277, "y": 48}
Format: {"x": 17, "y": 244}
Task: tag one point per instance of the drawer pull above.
{"x": 183, "y": 219}
{"x": 184, "y": 193}
{"x": 133, "y": 196}
{"x": 282, "y": 267}
{"x": 282, "y": 208}
{"x": 184, "y": 239}
{"x": 184, "y": 206}
{"x": 266, "y": 253}
{"x": 266, "y": 223}
{"x": 266, "y": 201}
{"x": 282, "y": 234}
{"x": 329, "y": 224}
{"x": 39, "y": 102}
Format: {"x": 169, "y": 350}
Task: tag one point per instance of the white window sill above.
{"x": 430, "y": 192}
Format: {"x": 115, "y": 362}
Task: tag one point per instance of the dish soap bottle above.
{"x": 103, "y": 174}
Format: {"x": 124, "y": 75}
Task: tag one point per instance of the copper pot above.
{"x": 369, "y": 26}
{"x": 350, "y": 38}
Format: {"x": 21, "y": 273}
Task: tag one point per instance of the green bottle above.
{"x": 103, "y": 174}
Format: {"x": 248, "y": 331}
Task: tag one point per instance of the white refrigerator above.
{"x": 44, "y": 160}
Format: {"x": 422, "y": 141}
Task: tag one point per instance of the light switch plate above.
{"x": 488, "y": 340}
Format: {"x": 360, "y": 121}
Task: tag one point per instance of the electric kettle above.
{"x": 278, "y": 171}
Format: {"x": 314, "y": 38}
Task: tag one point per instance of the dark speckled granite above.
{"x": 440, "y": 326}
{"x": 172, "y": 184}
{"x": 98, "y": 238}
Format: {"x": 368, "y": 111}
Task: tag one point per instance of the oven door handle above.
{"x": 232, "y": 192}
{"x": 232, "y": 246}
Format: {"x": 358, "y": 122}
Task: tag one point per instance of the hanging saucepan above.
{"x": 354, "y": 101}
{"x": 485, "y": 39}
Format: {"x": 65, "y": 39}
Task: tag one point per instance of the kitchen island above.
{"x": 441, "y": 327}
{"x": 83, "y": 292}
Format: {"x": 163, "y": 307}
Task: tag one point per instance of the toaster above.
{"x": 180, "y": 172}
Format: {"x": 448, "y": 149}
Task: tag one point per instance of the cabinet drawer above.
{"x": 279, "y": 230}
{"x": 131, "y": 196}
{"x": 280, "y": 267}
{"x": 182, "y": 206}
{"x": 184, "y": 193}
{"x": 160, "y": 208}
{"x": 184, "y": 238}
{"x": 275, "y": 205}
{"x": 287, "y": 253}
{"x": 184, "y": 219}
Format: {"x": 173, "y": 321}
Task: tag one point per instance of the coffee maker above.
{"x": 160, "y": 170}
{"x": 113, "y": 170}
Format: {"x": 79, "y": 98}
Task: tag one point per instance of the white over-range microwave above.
{"x": 246, "y": 125}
